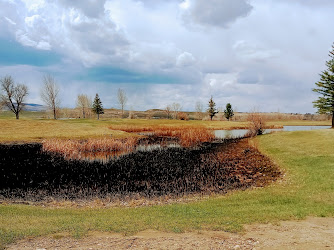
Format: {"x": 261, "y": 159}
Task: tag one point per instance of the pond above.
{"x": 239, "y": 133}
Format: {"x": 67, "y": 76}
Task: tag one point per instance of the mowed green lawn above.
{"x": 306, "y": 189}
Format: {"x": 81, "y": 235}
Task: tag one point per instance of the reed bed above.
{"x": 74, "y": 149}
{"x": 189, "y": 136}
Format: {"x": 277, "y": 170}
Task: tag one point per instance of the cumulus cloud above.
{"x": 216, "y": 13}
{"x": 185, "y": 59}
{"x": 275, "y": 49}
{"x": 90, "y": 8}
{"x": 81, "y": 30}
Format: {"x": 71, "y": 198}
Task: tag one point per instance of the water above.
{"x": 238, "y": 133}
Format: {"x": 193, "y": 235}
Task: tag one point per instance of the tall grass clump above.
{"x": 188, "y": 136}
{"x": 74, "y": 149}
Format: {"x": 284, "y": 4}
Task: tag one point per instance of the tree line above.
{"x": 13, "y": 96}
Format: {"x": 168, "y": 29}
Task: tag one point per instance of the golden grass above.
{"x": 36, "y": 130}
{"x": 189, "y": 136}
{"x": 74, "y": 149}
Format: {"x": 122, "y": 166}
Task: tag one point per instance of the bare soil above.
{"x": 312, "y": 233}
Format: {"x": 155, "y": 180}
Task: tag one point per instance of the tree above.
{"x": 199, "y": 110}
{"x": 84, "y": 103}
{"x": 325, "y": 103}
{"x": 97, "y": 106}
{"x": 50, "y": 94}
{"x": 14, "y": 95}
{"x": 176, "y": 107}
{"x": 212, "y": 111}
{"x": 228, "y": 112}
{"x": 168, "y": 111}
{"x": 122, "y": 99}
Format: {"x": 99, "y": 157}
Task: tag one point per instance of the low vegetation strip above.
{"x": 306, "y": 189}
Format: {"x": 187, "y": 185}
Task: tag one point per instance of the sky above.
{"x": 263, "y": 55}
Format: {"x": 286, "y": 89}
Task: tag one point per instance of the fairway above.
{"x": 306, "y": 189}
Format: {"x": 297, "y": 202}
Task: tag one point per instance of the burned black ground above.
{"x": 27, "y": 173}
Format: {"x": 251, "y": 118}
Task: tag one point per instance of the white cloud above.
{"x": 10, "y": 21}
{"x": 239, "y": 50}
{"x": 216, "y": 13}
{"x": 247, "y": 51}
{"x": 185, "y": 59}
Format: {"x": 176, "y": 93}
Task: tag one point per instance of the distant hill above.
{"x": 31, "y": 107}
{"x": 34, "y": 107}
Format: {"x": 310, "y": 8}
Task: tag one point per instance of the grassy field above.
{"x": 31, "y": 128}
{"x": 307, "y": 188}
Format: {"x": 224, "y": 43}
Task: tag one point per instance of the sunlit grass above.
{"x": 307, "y": 189}
{"x": 31, "y": 128}
{"x": 74, "y": 149}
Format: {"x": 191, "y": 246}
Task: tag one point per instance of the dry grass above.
{"x": 189, "y": 136}
{"x": 74, "y": 149}
{"x": 36, "y": 130}
{"x": 31, "y": 130}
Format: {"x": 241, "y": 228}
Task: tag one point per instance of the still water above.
{"x": 237, "y": 133}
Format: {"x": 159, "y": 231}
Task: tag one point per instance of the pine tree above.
{"x": 97, "y": 106}
{"x": 228, "y": 112}
{"x": 325, "y": 87}
{"x": 212, "y": 108}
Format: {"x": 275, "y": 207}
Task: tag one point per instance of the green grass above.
{"x": 307, "y": 189}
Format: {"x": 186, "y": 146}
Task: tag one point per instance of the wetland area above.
{"x": 73, "y": 192}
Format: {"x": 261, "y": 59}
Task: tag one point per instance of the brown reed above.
{"x": 74, "y": 149}
{"x": 189, "y": 136}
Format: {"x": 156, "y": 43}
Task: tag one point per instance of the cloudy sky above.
{"x": 262, "y": 54}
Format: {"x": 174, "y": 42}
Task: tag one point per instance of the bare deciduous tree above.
{"x": 176, "y": 107}
{"x": 50, "y": 94}
{"x": 14, "y": 95}
{"x": 84, "y": 103}
{"x": 168, "y": 111}
{"x": 199, "y": 110}
{"x": 122, "y": 99}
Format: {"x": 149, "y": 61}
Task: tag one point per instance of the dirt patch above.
{"x": 312, "y": 233}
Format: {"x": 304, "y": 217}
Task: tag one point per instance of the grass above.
{"x": 306, "y": 190}
{"x": 73, "y": 149}
{"x": 31, "y": 128}
{"x": 189, "y": 135}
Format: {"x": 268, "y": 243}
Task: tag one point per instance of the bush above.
{"x": 182, "y": 116}
{"x": 257, "y": 124}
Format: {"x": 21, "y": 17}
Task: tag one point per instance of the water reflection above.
{"x": 240, "y": 133}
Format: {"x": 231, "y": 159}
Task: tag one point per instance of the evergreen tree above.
{"x": 325, "y": 87}
{"x": 212, "y": 111}
{"x": 97, "y": 106}
{"x": 228, "y": 112}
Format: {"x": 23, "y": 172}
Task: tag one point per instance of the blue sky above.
{"x": 256, "y": 54}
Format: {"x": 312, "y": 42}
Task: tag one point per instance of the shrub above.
{"x": 182, "y": 116}
{"x": 257, "y": 124}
